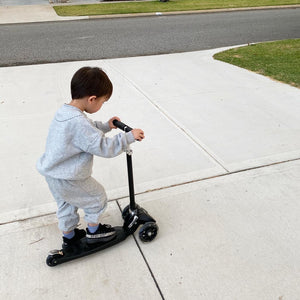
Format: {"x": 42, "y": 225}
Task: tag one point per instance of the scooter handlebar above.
{"x": 122, "y": 126}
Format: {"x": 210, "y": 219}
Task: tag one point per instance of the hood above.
{"x": 67, "y": 112}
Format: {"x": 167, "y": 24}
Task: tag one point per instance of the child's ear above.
{"x": 92, "y": 98}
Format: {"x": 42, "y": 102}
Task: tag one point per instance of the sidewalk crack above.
{"x": 145, "y": 260}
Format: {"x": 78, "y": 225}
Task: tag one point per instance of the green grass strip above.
{"x": 279, "y": 60}
{"x": 157, "y": 6}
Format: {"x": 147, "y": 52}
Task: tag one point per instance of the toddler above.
{"x": 72, "y": 141}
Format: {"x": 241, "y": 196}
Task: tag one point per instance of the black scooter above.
{"x": 133, "y": 215}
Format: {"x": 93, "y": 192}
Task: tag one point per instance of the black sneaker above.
{"x": 69, "y": 243}
{"x": 104, "y": 233}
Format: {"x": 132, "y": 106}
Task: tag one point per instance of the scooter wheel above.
{"x": 51, "y": 260}
{"x": 125, "y": 212}
{"x": 148, "y": 232}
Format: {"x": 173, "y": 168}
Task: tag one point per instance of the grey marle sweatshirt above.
{"x": 73, "y": 140}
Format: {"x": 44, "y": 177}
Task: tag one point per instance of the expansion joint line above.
{"x": 170, "y": 119}
{"x": 145, "y": 260}
{"x": 208, "y": 178}
{"x": 167, "y": 187}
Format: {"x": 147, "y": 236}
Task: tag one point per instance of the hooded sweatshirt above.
{"x": 73, "y": 140}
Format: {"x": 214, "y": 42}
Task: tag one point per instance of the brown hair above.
{"x": 89, "y": 81}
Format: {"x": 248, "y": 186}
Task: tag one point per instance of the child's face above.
{"x": 94, "y": 104}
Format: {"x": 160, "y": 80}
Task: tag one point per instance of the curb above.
{"x": 46, "y": 13}
{"x": 190, "y": 12}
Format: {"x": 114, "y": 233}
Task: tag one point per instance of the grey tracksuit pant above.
{"x": 87, "y": 194}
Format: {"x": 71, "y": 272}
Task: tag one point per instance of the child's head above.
{"x": 89, "y": 81}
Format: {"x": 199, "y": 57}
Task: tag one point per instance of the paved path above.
{"x": 219, "y": 170}
{"x": 31, "y": 13}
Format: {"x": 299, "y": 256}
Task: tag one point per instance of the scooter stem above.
{"x": 130, "y": 179}
{"x": 126, "y": 128}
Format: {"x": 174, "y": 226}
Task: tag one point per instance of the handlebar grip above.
{"x": 122, "y": 126}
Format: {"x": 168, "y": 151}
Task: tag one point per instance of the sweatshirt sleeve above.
{"x": 104, "y": 127}
{"x": 111, "y": 147}
{"x": 92, "y": 140}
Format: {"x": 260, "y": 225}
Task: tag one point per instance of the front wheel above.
{"x": 148, "y": 232}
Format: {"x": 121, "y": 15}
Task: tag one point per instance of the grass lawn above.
{"x": 157, "y": 6}
{"x": 279, "y": 60}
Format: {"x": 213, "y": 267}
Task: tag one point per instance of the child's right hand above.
{"x": 138, "y": 134}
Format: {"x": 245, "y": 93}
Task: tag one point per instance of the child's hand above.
{"x": 138, "y": 134}
{"x": 110, "y": 122}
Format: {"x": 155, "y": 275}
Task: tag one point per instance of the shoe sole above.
{"x": 103, "y": 239}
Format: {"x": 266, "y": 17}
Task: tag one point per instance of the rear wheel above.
{"x": 52, "y": 260}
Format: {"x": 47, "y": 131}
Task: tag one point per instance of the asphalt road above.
{"x": 109, "y": 38}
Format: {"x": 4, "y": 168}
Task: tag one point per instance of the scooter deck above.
{"x": 56, "y": 257}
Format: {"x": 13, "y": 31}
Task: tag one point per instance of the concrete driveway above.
{"x": 219, "y": 170}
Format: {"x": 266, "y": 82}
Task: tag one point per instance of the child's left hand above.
{"x": 110, "y": 122}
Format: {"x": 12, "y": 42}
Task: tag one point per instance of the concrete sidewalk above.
{"x": 219, "y": 170}
{"x": 31, "y": 14}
